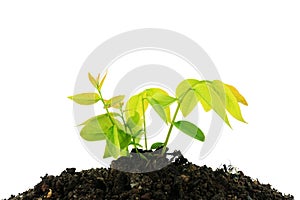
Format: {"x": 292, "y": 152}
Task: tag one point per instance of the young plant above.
{"x": 127, "y": 126}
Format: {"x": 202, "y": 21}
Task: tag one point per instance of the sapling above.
{"x": 126, "y": 126}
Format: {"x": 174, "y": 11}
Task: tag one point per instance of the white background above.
{"x": 255, "y": 46}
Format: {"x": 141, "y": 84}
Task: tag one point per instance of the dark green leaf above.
{"x": 157, "y": 145}
{"x": 190, "y": 129}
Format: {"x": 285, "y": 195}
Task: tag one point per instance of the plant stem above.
{"x": 170, "y": 129}
{"x": 126, "y": 126}
{"x": 102, "y": 100}
{"x": 144, "y": 119}
{"x": 134, "y": 144}
{"x": 122, "y": 117}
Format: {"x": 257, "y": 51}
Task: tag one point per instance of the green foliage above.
{"x": 190, "y": 129}
{"x": 127, "y": 126}
{"x": 85, "y": 98}
{"x": 157, "y": 145}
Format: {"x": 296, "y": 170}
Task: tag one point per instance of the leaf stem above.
{"x": 105, "y": 107}
{"x": 144, "y": 119}
{"x": 170, "y": 129}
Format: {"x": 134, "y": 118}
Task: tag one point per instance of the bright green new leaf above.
{"x": 231, "y": 102}
{"x": 85, "y": 98}
{"x": 102, "y": 81}
{"x": 158, "y": 108}
{"x": 114, "y": 102}
{"x": 205, "y": 91}
{"x": 157, "y": 145}
{"x": 135, "y": 104}
{"x": 93, "y": 80}
{"x": 190, "y": 129}
{"x": 162, "y": 98}
{"x": 186, "y": 96}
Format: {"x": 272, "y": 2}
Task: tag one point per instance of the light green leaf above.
{"x": 135, "y": 104}
{"x": 211, "y": 99}
{"x": 96, "y": 128}
{"x": 133, "y": 120}
{"x": 93, "y": 80}
{"x": 158, "y": 108}
{"x": 85, "y": 98}
{"x": 157, "y": 145}
{"x": 106, "y": 152}
{"x": 114, "y": 102}
{"x": 190, "y": 129}
{"x": 186, "y": 96}
{"x": 113, "y": 142}
{"x": 162, "y": 98}
{"x": 92, "y": 133}
{"x": 231, "y": 102}
{"x": 102, "y": 81}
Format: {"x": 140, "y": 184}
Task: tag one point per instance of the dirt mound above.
{"x": 179, "y": 180}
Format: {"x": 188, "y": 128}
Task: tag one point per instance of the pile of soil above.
{"x": 178, "y": 180}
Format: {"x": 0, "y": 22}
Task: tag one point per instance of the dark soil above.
{"x": 178, "y": 180}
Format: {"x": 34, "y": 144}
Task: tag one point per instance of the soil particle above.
{"x": 178, "y": 180}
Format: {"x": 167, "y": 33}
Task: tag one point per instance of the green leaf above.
{"x": 124, "y": 139}
{"x": 113, "y": 143}
{"x": 96, "y": 128}
{"x": 135, "y": 104}
{"x": 102, "y": 81}
{"x": 136, "y": 144}
{"x": 231, "y": 102}
{"x": 133, "y": 120}
{"x": 138, "y": 133}
{"x": 114, "y": 102}
{"x": 85, "y": 98}
{"x": 117, "y": 142}
{"x": 190, "y": 129}
{"x": 93, "y": 80}
{"x": 158, "y": 108}
{"x": 162, "y": 98}
{"x": 210, "y": 99}
{"x": 157, "y": 145}
{"x": 186, "y": 96}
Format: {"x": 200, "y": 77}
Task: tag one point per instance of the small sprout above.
{"x": 127, "y": 127}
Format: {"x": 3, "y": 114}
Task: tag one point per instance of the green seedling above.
{"x": 124, "y": 125}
